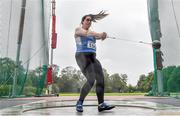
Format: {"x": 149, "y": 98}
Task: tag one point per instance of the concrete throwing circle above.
{"x": 67, "y": 107}
{"x": 91, "y": 110}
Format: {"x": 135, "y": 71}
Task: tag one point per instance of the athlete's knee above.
{"x": 100, "y": 84}
{"x": 91, "y": 82}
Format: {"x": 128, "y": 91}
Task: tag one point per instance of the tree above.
{"x": 144, "y": 83}
{"x": 7, "y": 67}
{"x": 124, "y": 82}
{"x": 107, "y": 81}
{"x": 174, "y": 81}
{"x": 167, "y": 76}
{"x": 7, "y": 72}
{"x": 71, "y": 80}
{"x": 131, "y": 88}
{"x": 117, "y": 83}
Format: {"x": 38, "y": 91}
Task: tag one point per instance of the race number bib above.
{"x": 91, "y": 45}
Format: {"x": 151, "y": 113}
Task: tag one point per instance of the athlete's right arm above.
{"x": 81, "y": 32}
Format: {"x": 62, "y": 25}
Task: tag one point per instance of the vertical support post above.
{"x": 154, "y": 84}
{"x": 158, "y": 67}
{"x": 160, "y": 82}
{"x": 53, "y": 39}
{"x": 41, "y": 80}
{"x": 20, "y": 35}
{"x": 155, "y": 30}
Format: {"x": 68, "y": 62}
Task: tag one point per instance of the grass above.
{"x": 106, "y": 94}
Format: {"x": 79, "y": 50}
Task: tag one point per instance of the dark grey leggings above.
{"x": 92, "y": 70}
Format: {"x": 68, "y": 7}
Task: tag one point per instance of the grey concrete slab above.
{"x": 5, "y": 103}
{"x": 66, "y": 106}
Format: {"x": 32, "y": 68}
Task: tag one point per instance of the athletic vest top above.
{"x": 86, "y": 44}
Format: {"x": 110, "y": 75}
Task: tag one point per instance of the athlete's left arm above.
{"x": 98, "y": 36}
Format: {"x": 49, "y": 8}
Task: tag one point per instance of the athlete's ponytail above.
{"x": 95, "y": 17}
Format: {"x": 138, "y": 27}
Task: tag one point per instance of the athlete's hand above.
{"x": 104, "y": 35}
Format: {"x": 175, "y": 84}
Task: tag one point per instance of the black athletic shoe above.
{"x": 103, "y": 106}
{"x": 79, "y": 106}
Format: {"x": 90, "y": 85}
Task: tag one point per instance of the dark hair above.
{"x": 84, "y": 17}
{"x": 95, "y": 17}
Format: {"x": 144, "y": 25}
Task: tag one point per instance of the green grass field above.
{"x": 106, "y": 94}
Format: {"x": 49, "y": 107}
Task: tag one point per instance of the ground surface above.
{"x": 65, "y": 105}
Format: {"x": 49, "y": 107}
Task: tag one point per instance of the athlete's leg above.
{"x": 89, "y": 83}
{"x": 99, "y": 81}
{"x": 100, "y": 88}
{"x": 85, "y": 63}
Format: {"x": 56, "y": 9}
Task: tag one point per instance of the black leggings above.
{"x": 92, "y": 70}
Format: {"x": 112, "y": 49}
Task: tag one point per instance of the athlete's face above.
{"x": 87, "y": 22}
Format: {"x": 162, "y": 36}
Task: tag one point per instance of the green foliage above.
{"x": 106, "y": 94}
{"x": 71, "y": 80}
{"x": 107, "y": 81}
{"x": 173, "y": 83}
{"x": 41, "y": 80}
{"x": 167, "y": 76}
{"x": 131, "y": 89}
{"x": 144, "y": 83}
{"x": 118, "y": 83}
{"x": 55, "y": 88}
{"x": 7, "y": 67}
{"x": 4, "y": 90}
{"x": 7, "y": 72}
{"x": 29, "y": 91}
